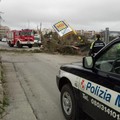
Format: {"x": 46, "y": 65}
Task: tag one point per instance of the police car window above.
{"x": 110, "y": 60}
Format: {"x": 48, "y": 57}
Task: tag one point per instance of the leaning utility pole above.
{"x": 40, "y": 27}
{"x": 40, "y": 32}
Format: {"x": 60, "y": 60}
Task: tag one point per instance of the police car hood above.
{"x": 72, "y": 66}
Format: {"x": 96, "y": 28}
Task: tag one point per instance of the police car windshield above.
{"x": 110, "y": 60}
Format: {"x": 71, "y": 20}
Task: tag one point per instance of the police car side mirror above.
{"x": 88, "y": 62}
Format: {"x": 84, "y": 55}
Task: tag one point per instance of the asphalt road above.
{"x": 5, "y": 46}
{"x": 35, "y": 74}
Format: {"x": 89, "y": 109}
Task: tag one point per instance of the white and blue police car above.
{"x": 91, "y": 89}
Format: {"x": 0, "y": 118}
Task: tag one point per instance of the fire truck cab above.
{"x": 20, "y": 38}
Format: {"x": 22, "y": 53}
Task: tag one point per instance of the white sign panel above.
{"x": 62, "y": 28}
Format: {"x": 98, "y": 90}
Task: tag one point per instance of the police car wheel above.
{"x": 68, "y": 102}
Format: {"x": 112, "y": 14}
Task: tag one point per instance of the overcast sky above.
{"x": 80, "y": 14}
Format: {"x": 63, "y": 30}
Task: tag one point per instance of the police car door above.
{"x": 102, "y": 87}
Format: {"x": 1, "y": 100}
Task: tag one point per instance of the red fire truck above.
{"x": 20, "y": 38}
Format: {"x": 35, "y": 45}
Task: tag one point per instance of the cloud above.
{"x": 94, "y": 14}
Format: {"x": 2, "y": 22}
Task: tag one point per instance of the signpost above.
{"x": 62, "y": 28}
